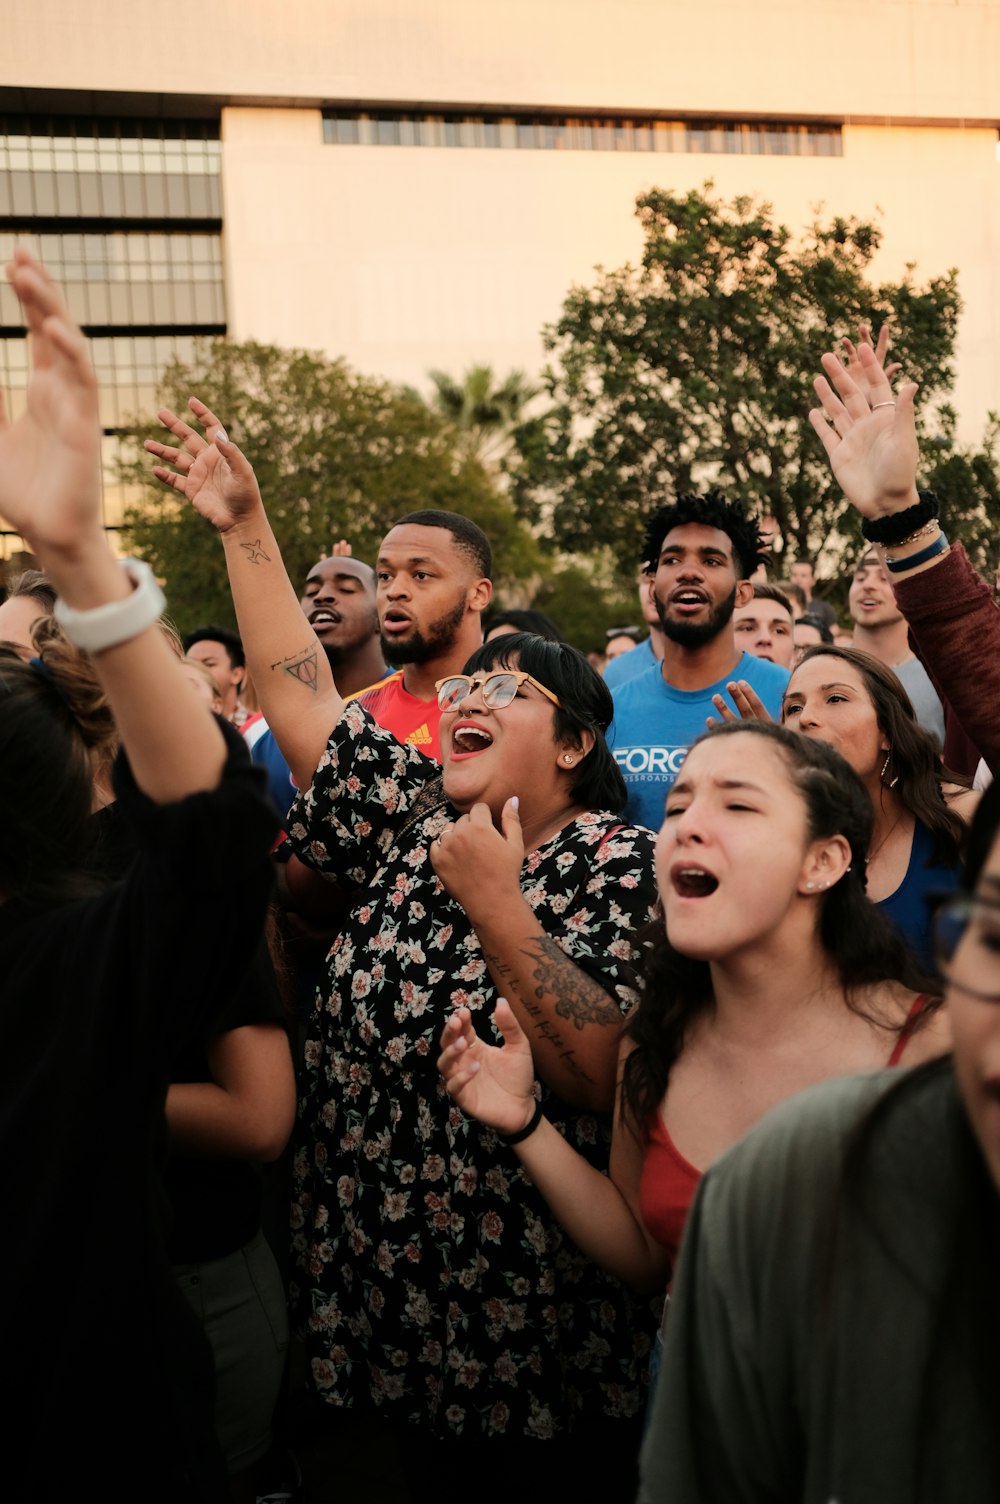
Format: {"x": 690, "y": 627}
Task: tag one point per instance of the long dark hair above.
{"x": 56, "y": 732}
{"x": 914, "y": 761}
{"x": 860, "y": 942}
{"x": 586, "y": 706}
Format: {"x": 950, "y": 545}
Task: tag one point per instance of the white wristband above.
{"x": 107, "y": 626}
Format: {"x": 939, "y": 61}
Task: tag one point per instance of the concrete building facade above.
{"x": 415, "y": 184}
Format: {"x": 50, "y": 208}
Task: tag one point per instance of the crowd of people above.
{"x": 624, "y": 1044}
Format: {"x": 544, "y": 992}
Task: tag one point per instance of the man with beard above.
{"x": 426, "y": 597}
{"x": 705, "y": 549}
{"x": 338, "y": 602}
{"x": 432, "y": 586}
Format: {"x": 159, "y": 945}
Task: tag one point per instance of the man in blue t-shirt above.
{"x": 705, "y": 549}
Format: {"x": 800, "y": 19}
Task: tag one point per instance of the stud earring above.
{"x": 567, "y": 759}
{"x": 810, "y": 886}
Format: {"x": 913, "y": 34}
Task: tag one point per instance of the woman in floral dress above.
{"x": 426, "y": 1259}
{"x": 432, "y": 1281}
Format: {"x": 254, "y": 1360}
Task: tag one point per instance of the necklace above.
{"x": 873, "y": 854}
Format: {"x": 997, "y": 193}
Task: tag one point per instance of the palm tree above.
{"x": 483, "y": 413}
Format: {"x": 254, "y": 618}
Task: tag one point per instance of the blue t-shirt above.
{"x": 627, "y": 665}
{"x": 280, "y": 784}
{"x": 655, "y": 724}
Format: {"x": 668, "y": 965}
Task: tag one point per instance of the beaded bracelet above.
{"x": 892, "y": 530}
{"x": 921, "y": 532}
{"x": 899, "y": 566}
{"x": 526, "y": 1131}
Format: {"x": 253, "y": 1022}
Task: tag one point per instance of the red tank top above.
{"x": 669, "y": 1181}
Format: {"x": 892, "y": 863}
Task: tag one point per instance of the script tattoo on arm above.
{"x": 556, "y": 981}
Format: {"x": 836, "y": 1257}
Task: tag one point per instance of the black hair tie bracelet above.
{"x": 526, "y": 1131}
{"x": 891, "y": 531}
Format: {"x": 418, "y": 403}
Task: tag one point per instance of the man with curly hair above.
{"x": 705, "y": 549}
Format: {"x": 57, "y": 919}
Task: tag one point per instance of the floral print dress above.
{"x": 430, "y": 1277}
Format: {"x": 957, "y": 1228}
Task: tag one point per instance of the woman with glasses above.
{"x": 834, "y": 1325}
{"x": 773, "y": 972}
{"x": 511, "y": 870}
{"x": 433, "y": 1282}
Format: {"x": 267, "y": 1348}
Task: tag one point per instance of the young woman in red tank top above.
{"x": 773, "y": 972}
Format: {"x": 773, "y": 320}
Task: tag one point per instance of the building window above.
{"x": 127, "y": 216}
{"x": 580, "y": 133}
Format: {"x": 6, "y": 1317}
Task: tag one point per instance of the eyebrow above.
{"x": 683, "y": 787}
{"x": 704, "y": 553}
{"x": 835, "y": 685}
{"x": 414, "y": 559}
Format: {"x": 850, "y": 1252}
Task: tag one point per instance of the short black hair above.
{"x": 808, "y": 620}
{"x": 710, "y": 510}
{"x": 468, "y": 535}
{"x": 523, "y": 620}
{"x": 586, "y": 705}
{"x": 230, "y": 641}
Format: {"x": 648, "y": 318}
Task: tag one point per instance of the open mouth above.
{"x": 324, "y": 619}
{"x": 688, "y": 600}
{"x": 693, "y": 882}
{"x": 468, "y": 739}
{"x": 395, "y": 621}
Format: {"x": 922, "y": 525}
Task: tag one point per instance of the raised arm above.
{"x": 601, "y": 1214}
{"x": 50, "y": 491}
{"x": 870, "y": 438}
{"x": 869, "y": 435}
{"x": 288, "y": 666}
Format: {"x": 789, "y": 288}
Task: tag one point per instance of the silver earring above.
{"x": 810, "y": 886}
{"x": 567, "y": 759}
{"x": 892, "y": 781}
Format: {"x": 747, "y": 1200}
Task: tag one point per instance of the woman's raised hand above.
{"x": 493, "y": 1083}
{"x": 50, "y": 459}
{"x": 869, "y": 434}
{"x": 212, "y": 473}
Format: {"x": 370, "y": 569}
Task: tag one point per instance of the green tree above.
{"x": 337, "y": 455}
{"x": 484, "y": 413}
{"x": 586, "y": 600}
{"x": 695, "y": 368}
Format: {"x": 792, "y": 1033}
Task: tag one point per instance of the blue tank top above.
{"x": 908, "y": 907}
